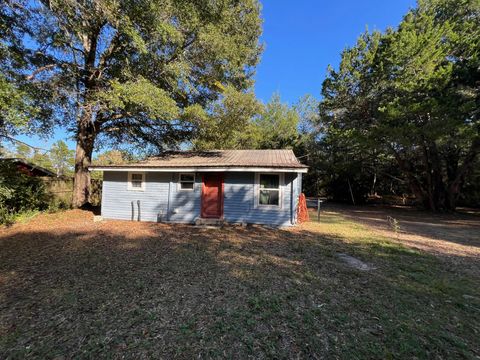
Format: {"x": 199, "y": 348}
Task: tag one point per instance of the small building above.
{"x": 235, "y": 186}
{"x": 28, "y": 168}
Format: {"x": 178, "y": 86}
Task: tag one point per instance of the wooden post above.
{"x": 318, "y": 209}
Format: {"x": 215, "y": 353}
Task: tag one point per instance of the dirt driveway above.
{"x": 443, "y": 234}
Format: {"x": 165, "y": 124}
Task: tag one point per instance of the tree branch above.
{"x": 109, "y": 51}
{"x": 21, "y": 142}
{"x": 182, "y": 48}
{"x": 39, "y": 70}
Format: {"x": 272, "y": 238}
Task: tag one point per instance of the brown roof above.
{"x": 29, "y": 168}
{"x": 219, "y": 158}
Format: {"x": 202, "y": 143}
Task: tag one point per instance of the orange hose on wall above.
{"x": 302, "y": 211}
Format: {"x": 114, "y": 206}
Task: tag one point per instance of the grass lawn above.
{"x": 71, "y": 288}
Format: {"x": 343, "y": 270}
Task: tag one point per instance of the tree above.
{"x": 23, "y": 151}
{"x": 239, "y": 121}
{"x": 62, "y": 158}
{"x": 24, "y": 107}
{"x": 42, "y": 159}
{"x": 277, "y": 125}
{"x": 139, "y": 72}
{"x": 228, "y": 124}
{"x": 413, "y": 93}
{"x": 59, "y": 158}
{"x": 19, "y": 192}
{"x": 113, "y": 157}
{"x": 11, "y": 96}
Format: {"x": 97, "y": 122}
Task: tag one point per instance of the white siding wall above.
{"x": 240, "y": 204}
{"x": 117, "y": 199}
{"x": 163, "y": 201}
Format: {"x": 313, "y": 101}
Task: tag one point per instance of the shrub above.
{"x": 57, "y": 204}
{"x": 19, "y": 193}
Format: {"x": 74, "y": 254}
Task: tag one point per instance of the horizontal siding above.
{"x": 239, "y": 201}
{"x": 117, "y": 199}
{"x": 185, "y": 204}
{"x": 163, "y": 201}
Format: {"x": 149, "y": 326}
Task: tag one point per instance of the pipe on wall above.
{"x": 138, "y": 205}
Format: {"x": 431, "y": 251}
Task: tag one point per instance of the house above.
{"x": 235, "y": 186}
{"x": 28, "y": 168}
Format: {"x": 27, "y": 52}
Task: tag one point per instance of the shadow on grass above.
{"x": 457, "y": 228}
{"x": 116, "y": 289}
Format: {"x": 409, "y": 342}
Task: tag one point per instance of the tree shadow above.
{"x": 460, "y": 228}
{"x": 131, "y": 289}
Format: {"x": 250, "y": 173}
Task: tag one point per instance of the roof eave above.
{"x": 302, "y": 169}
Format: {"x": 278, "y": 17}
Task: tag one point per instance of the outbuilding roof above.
{"x": 275, "y": 159}
{"x": 29, "y": 168}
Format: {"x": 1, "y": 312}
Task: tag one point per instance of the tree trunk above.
{"x": 83, "y": 159}
{"x": 454, "y": 187}
{"x": 413, "y": 183}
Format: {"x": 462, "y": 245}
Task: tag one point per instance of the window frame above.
{"x": 130, "y": 186}
{"x": 179, "y": 183}
{"x": 258, "y": 189}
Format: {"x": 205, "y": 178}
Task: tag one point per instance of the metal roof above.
{"x": 217, "y": 159}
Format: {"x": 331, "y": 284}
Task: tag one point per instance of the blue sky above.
{"x": 301, "y": 39}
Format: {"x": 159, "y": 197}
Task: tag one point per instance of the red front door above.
{"x": 212, "y": 195}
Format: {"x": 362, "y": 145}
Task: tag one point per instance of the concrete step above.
{"x": 209, "y": 222}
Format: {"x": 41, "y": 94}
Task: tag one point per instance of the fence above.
{"x": 61, "y": 190}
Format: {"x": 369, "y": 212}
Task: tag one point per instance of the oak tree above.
{"x": 138, "y": 72}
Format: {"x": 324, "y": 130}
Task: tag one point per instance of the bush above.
{"x": 57, "y": 204}
{"x": 19, "y": 193}
{"x": 6, "y": 217}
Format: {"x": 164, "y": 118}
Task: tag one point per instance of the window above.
{"x": 136, "y": 181}
{"x": 269, "y": 189}
{"x": 187, "y": 181}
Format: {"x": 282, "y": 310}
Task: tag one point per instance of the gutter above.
{"x": 202, "y": 169}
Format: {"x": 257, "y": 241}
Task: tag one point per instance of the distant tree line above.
{"x": 400, "y": 115}
{"x": 403, "y": 109}
{"x": 58, "y": 159}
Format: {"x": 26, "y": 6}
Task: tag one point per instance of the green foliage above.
{"x": 277, "y": 125}
{"x": 19, "y": 193}
{"x": 140, "y": 95}
{"x": 12, "y": 106}
{"x": 62, "y": 158}
{"x": 229, "y": 125}
{"x": 114, "y": 157}
{"x": 23, "y": 151}
{"x": 41, "y": 159}
{"x": 409, "y": 95}
{"x": 141, "y": 71}
{"x": 22, "y": 105}
{"x": 239, "y": 121}
{"x": 59, "y": 159}
{"x": 58, "y": 204}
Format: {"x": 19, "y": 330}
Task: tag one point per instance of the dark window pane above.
{"x": 269, "y": 197}
{"x": 269, "y": 181}
{"x": 138, "y": 177}
{"x": 136, "y": 184}
{"x": 186, "y": 185}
